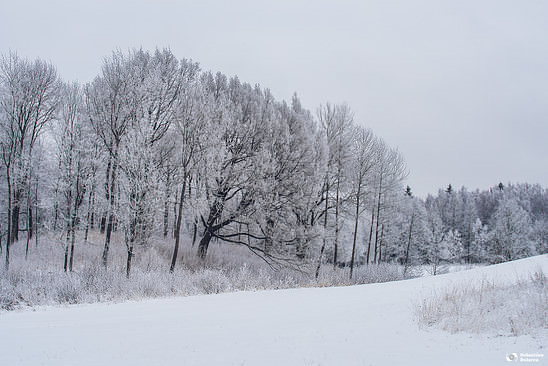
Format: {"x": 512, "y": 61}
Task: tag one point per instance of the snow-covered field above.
{"x": 361, "y": 325}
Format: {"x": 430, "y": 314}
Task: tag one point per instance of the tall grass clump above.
{"x": 512, "y": 309}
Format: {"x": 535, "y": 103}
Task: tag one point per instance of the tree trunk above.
{"x": 381, "y": 243}
{"x": 29, "y": 229}
{"x": 74, "y": 218}
{"x": 195, "y": 231}
{"x": 336, "y": 248}
{"x": 178, "y": 228}
{"x": 325, "y": 232}
{"x": 88, "y": 216}
{"x": 166, "y": 218}
{"x": 215, "y": 213}
{"x": 378, "y": 220}
{"x": 408, "y": 243}
{"x": 30, "y": 221}
{"x": 370, "y": 234}
{"x": 72, "y": 239}
{"x": 204, "y": 244}
{"x": 110, "y": 223}
{"x": 15, "y": 222}
{"x": 129, "y": 258}
{"x": 8, "y": 233}
{"x": 103, "y": 223}
{"x": 65, "y": 265}
{"x": 355, "y": 230}
{"x": 36, "y": 215}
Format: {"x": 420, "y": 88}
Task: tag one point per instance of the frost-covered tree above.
{"x": 289, "y": 210}
{"x": 156, "y": 83}
{"x": 29, "y": 92}
{"x": 73, "y": 144}
{"x": 234, "y": 163}
{"x": 336, "y": 123}
{"x": 406, "y": 234}
{"x": 389, "y": 174}
{"x": 511, "y": 232}
{"x": 478, "y": 252}
{"x": 363, "y": 155}
{"x": 109, "y": 110}
{"x": 189, "y": 128}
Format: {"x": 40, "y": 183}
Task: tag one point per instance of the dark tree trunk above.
{"x": 268, "y": 242}
{"x": 15, "y": 223}
{"x": 72, "y": 239}
{"x": 370, "y": 234}
{"x": 355, "y": 230}
{"x": 381, "y": 243}
{"x": 65, "y": 265}
{"x": 56, "y": 215}
{"x": 8, "y": 233}
{"x": 111, "y": 218}
{"x": 128, "y": 262}
{"x": 178, "y": 229}
{"x": 409, "y": 236}
{"x": 88, "y": 218}
{"x": 29, "y": 225}
{"x": 336, "y": 249}
{"x": 194, "y": 231}
{"x": 215, "y": 213}
{"x": 103, "y": 223}
{"x": 378, "y": 220}
{"x": 30, "y": 222}
{"x": 109, "y": 194}
{"x": 325, "y": 232}
{"x": 36, "y": 215}
{"x": 204, "y": 244}
{"x": 166, "y": 217}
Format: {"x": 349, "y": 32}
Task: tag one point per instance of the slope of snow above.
{"x": 360, "y": 325}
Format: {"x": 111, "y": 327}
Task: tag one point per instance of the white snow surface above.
{"x": 359, "y": 325}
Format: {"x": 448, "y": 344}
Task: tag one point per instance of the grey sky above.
{"x": 460, "y": 87}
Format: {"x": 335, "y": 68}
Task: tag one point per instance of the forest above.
{"x": 157, "y": 155}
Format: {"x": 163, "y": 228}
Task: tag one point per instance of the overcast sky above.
{"x": 459, "y": 87}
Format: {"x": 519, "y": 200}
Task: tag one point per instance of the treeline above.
{"x": 458, "y": 226}
{"x": 155, "y": 147}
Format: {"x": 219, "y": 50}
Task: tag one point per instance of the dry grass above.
{"x": 485, "y": 307}
{"x": 40, "y": 279}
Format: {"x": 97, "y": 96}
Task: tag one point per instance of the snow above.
{"x": 360, "y": 325}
